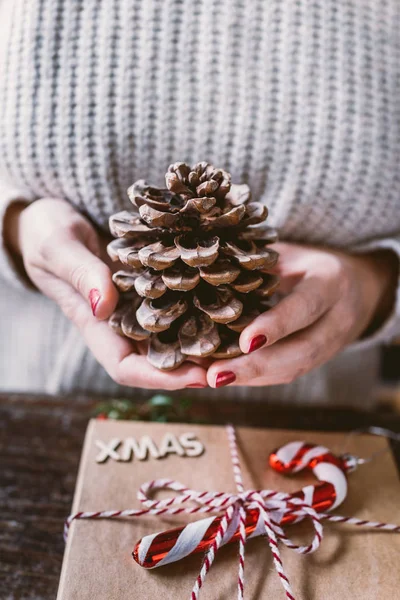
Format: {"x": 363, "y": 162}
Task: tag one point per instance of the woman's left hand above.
{"x": 330, "y": 300}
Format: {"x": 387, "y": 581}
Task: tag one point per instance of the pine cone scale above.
{"x": 199, "y": 336}
{"x": 158, "y": 315}
{"x": 197, "y": 254}
{"x": 220, "y": 272}
{"x": 181, "y": 278}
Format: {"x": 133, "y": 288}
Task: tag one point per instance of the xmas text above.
{"x": 185, "y": 444}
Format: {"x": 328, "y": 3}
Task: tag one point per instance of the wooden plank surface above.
{"x": 40, "y": 444}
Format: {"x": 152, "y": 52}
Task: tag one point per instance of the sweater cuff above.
{"x": 10, "y": 270}
{"x": 390, "y": 329}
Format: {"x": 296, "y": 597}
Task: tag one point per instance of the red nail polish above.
{"x": 257, "y": 342}
{"x": 224, "y": 378}
{"x": 196, "y": 385}
{"x": 94, "y": 298}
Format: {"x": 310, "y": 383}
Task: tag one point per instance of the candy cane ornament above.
{"x": 327, "y": 467}
{"x": 169, "y": 546}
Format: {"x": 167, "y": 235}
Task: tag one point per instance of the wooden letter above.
{"x": 140, "y": 450}
{"x": 192, "y": 445}
{"x": 170, "y": 445}
{"x": 107, "y": 450}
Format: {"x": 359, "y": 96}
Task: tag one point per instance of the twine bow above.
{"x": 231, "y": 506}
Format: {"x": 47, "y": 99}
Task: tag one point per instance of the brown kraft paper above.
{"x": 352, "y": 563}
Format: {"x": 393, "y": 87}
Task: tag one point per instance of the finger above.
{"x": 138, "y": 372}
{"x": 286, "y": 360}
{"x": 202, "y": 362}
{"x": 70, "y": 260}
{"x": 117, "y": 354}
{"x": 292, "y": 257}
{"x": 133, "y": 370}
{"x": 307, "y": 303}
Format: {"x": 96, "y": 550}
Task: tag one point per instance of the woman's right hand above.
{"x": 65, "y": 257}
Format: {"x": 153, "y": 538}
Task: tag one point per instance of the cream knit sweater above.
{"x": 301, "y": 98}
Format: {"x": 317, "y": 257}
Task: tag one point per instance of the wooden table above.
{"x": 40, "y": 445}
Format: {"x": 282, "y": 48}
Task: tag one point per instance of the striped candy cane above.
{"x": 290, "y": 459}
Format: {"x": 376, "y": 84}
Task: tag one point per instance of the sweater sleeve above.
{"x": 390, "y": 329}
{"x": 10, "y": 270}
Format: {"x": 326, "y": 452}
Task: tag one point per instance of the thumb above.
{"x": 74, "y": 259}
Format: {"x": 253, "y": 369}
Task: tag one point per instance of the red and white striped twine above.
{"x": 229, "y": 505}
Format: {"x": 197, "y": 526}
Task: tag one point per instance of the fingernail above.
{"x": 94, "y": 298}
{"x": 257, "y": 342}
{"x": 196, "y": 385}
{"x": 224, "y": 378}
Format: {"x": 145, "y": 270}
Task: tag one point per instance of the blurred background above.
{"x": 389, "y": 389}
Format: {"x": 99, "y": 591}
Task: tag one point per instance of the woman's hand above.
{"x": 330, "y": 300}
{"x": 65, "y": 258}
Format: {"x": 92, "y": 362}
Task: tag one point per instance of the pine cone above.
{"x": 196, "y": 264}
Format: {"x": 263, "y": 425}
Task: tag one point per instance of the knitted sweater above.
{"x": 299, "y": 98}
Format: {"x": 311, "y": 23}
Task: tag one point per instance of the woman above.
{"x": 299, "y": 99}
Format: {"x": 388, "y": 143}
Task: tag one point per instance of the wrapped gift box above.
{"x": 119, "y": 456}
